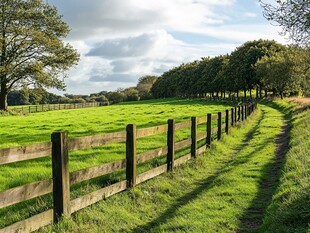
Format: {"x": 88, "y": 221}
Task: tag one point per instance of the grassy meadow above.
{"x": 248, "y": 182}
{"x": 33, "y": 128}
{"x": 227, "y": 189}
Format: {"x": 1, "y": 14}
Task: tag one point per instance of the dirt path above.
{"x": 253, "y": 217}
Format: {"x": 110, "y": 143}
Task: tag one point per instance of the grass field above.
{"x": 227, "y": 189}
{"x": 248, "y": 182}
{"x": 21, "y": 130}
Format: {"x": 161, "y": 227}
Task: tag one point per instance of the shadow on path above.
{"x": 253, "y": 216}
{"x": 203, "y": 185}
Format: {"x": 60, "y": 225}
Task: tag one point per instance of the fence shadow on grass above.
{"x": 252, "y": 218}
{"x": 204, "y": 184}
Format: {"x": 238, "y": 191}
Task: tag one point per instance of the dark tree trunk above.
{"x": 250, "y": 93}
{"x": 244, "y": 91}
{"x": 260, "y": 92}
{"x": 257, "y": 92}
{"x": 3, "y": 98}
{"x": 265, "y": 93}
{"x": 237, "y": 93}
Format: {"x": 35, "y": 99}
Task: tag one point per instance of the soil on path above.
{"x": 253, "y": 218}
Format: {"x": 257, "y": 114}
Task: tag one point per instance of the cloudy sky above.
{"x": 122, "y": 40}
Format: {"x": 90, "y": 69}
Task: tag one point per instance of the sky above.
{"x": 120, "y": 41}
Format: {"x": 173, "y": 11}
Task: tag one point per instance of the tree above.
{"x": 132, "y": 94}
{"x": 31, "y": 48}
{"x": 278, "y": 72}
{"x": 242, "y": 61}
{"x": 293, "y": 16}
{"x": 144, "y": 86}
{"x": 18, "y": 97}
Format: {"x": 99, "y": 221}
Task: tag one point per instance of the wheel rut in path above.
{"x": 253, "y": 217}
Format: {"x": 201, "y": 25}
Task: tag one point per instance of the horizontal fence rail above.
{"x": 60, "y": 146}
{"x": 53, "y": 107}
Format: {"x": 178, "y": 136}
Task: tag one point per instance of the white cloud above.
{"x": 120, "y": 41}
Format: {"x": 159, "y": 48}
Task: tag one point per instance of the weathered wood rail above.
{"x": 60, "y": 147}
{"x": 53, "y": 107}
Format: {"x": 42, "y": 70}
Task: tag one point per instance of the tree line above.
{"x": 26, "y": 96}
{"x": 261, "y": 65}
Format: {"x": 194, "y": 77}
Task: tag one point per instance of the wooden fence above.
{"x": 60, "y": 146}
{"x": 52, "y": 107}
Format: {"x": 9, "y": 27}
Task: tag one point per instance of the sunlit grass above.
{"x": 290, "y": 207}
{"x": 213, "y": 193}
{"x": 33, "y": 128}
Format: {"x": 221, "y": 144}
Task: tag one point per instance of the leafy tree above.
{"x": 18, "y": 97}
{"x": 31, "y": 48}
{"x": 210, "y": 73}
{"x": 293, "y": 16}
{"x": 116, "y": 97}
{"x": 278, "y": 72}
{"x": 243, "y": 59}
{"x": 132, "y": 94}
{"x": 144, "y": 86}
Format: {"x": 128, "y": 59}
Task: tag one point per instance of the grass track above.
{"x": 216, "y": 192}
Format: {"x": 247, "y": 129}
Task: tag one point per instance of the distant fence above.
{"x": 60, "y": 146}
{"x": 52, "y": 107}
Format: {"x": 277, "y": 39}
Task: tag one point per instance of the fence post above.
{"x": 131, "y": 133}
{"x": 219, "y": 125}
{"x": 245, "y": 111}
{"x": 170, "y": 144}
{"x": 209, "y": 119}
{"x": 226, "y": 121}
{"x": 235, "y": 113}
{"x": 61, "y": 178}
{"x": 239, "y": 113}
{"x": 232, "y": 117}
{"x": 194, "y": 137}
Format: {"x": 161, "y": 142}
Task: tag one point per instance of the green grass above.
{"x": 33, "y": 128}
{"x": 290, "y": 208}
{"x": 20, "y": 130}
{"x": 217, "y": 192}
{"x": 240, "y": 185}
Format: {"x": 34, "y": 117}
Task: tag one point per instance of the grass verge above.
{"x": 290, "y": 207}
{"x": 210, "y": 194}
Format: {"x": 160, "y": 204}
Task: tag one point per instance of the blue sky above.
{"x": 121, "y": 41}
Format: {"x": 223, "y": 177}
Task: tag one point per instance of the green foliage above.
{"x": 238, "y": 71}
{"x": 144, "y": 86}
{"x": 242, "y": 61}
{"x": 132, "y": 94}
{"x": 116, "y": 97}
{"x": 293, "y": 16}
{"x": 31, "y": 48}
{"x": 277, "y": 72}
